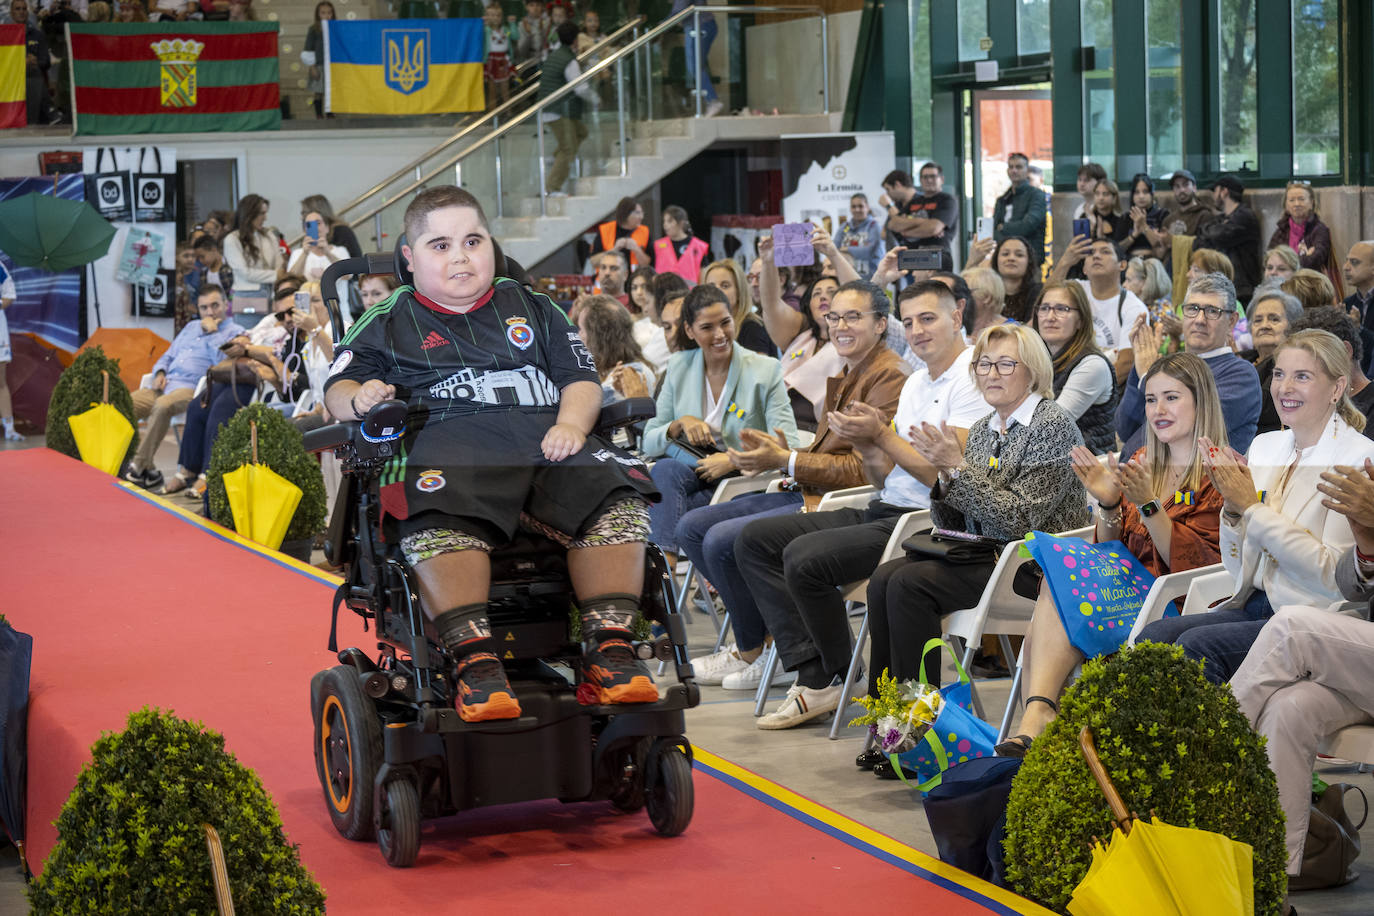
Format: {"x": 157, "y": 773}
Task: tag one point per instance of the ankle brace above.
{"x": 465, "y": 630}
{"x": 609, "y": 616}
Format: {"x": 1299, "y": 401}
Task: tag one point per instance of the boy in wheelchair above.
{"x": 502, "y": 397}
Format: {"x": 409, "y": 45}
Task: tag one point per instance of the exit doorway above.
{"x": 997, "y": 123}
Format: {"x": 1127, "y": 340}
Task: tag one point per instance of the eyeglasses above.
{"x": 1005, "y": 367}
{"x": 1192, "y": 310}
{"x": 282, "y": 315}
{"x": 1060, "y": 310}
{"x": 847, "y": 318}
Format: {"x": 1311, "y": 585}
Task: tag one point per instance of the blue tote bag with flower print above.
{"x": 1098, "y": 589}
{"x": 956, "y": 736}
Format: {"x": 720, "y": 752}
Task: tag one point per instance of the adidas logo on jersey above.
{"x": 435, "y": 339}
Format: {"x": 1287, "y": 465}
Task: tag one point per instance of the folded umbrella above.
{"x": 261, "y": 500}
{"x": 52, "y": 233}
{"x": 1157, "y": 869}
{"x": 102, "y": 433}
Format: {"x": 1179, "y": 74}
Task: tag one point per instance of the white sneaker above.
{"x": 749, "y": 678}
{"x": 13, "y": 436}
{"x": 711, "y": 669}
{"x": 802, "y": 704}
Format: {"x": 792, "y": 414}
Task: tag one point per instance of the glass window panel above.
{"x": 1316, "y": 87}
{"x": 1033, "y": 27}
{"x": 1099, "y": 91}
{"x": 973, "y": 27}
{"x": 1236, "y": 68}
{"x": 921, "y": 103}
{"x": 1164, "y": 87}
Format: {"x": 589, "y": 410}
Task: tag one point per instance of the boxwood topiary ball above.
{"x": 1173, "y": 743}
{"x": 79, "y": 386}
{"x": 131, "y": 838}
{"x": 282, "y": 448}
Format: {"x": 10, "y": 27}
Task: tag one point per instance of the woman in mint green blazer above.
{"x": 712, "y": 389}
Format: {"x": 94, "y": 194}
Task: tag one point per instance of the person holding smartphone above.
{"x": 315, "y": 254}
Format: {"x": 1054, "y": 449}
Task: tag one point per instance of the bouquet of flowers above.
{"x": 900, "y": 714}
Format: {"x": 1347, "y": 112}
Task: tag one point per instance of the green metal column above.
{"x": 1130, "y": 73}
{"x": 1200, "y": 93}
{"x": 1357, "y": 80}
{"x": 897, "y": 74}
{"x": 1066, "y": 58}
{"x": 1274, "y": 87}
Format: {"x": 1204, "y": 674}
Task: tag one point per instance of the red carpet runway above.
{"x": 133, "y": 603}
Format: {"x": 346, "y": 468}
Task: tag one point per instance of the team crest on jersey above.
{"x": 430, "y": 481}
{"x": 340, "y": 362}
{"x": 518, "y": 332}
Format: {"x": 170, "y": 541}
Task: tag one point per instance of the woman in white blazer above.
{"x": 713, "y": 388}
{"x": 1277, "y": 539}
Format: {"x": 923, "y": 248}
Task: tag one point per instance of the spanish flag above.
{"x": 403, "y": 66}
{"x": 13, "y": 56}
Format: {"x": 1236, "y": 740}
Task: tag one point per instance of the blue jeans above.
{"x": 682, "y": 492}
{"x": 707, "y": 535}
{"x": 1219, "y": 639}
{"x": 697, "y": 52}
{"x": 203, "y": 424}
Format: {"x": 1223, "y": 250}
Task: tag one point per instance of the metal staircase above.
{"x": 650, "y": 120}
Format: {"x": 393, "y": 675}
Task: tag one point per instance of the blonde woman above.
{"x": 1136, "y": 504}
{"x": 989, "y": 297}
{"x": 1278, "y": 539}
{"x": 727, "y": 276}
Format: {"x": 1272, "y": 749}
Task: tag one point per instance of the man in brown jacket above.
{"x": 873, "y": 375}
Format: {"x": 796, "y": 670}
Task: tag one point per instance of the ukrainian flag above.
{"x": 403, "y": 66}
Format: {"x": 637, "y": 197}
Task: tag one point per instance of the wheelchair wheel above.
{"x": 398, "y": 833}
{"x": 629, "y": 796}
{"x": 670, "y": 800}
{"x": 348, "y": 748}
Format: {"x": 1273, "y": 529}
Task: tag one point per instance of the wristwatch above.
{"x": 1150, "y": 508}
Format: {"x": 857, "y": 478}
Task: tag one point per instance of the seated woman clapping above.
{"x": 1278, "y": 538}
{"x": 1013, "y": 476}
{"x": 713, "y": 389}
{"x": 1160, "y": 504}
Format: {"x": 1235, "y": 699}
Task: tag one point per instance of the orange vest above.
{"x": 688, "y": 267}
{"x": 608, "y": 231}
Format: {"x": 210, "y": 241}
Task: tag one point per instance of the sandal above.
{"x": 1019, "y": 745}
{"x": 178, "y": 483}
{"x": 196, "y": 491}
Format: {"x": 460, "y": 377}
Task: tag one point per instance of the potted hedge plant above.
{"x": 1174, "y": 744}
{"x": 131, "y": 840}
{"x": 80, "y": 386}
{"x": 280, "y": 447}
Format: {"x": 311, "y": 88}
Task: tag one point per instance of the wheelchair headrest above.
{"x": 505, "y": 267}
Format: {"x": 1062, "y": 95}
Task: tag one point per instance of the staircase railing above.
{"x": 651, "y": 93}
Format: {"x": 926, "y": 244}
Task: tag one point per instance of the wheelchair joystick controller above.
{"x": 385, "y": 422}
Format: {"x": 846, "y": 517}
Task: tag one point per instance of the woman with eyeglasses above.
{"x": 1160, "y": 504}
{"x": 278, "y": 343}
{"x": 1013, "y": 476}
{"x": 1302, "y": 230}
{"x": 1084, "y": 386}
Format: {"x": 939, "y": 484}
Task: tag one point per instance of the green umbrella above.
{"x": 38, "y": 230}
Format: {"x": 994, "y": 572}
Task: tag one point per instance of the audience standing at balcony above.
{"x": 679, "y": 251}
{"x": 37, "y": 61}
{"x": 628, "y": 232}
{"x": 698, "y": 50}
{"x": 499, "y": 41}
{"x": 533, "y": 32}
{"x": 313, "y": 56}
{"x": 564, "y": 116}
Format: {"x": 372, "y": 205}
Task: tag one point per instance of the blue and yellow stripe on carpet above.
{"x": 403, "y": 66}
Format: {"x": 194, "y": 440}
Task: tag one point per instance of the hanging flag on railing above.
{"x": 13, "y": 56}
{"x": 403, "y": 66}
{"x": 161, "y": 77}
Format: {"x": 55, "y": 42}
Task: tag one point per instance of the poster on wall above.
{"x": 821, "y": 172}
{"x": 47, "y": 304}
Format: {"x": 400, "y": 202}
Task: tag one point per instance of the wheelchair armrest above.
{"x": 627, "y": 412}
{"x": 328, "y": 438}
{"x": 371, "y": 436}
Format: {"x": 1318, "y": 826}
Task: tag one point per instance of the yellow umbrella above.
{"x": 1157, "y": 869}
{"x": 261, "y": 500}
{"x": 102, "y": 433}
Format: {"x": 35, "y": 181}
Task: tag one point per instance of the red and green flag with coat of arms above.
{"x": 185, "y": 77}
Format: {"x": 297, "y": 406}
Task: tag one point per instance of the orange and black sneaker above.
{"x": 483, "y": 691}
{"x": 616, "y": 675}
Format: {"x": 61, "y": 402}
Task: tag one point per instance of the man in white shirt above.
{"x": 798, "y": 563}
{"x": 1115, "y": 309}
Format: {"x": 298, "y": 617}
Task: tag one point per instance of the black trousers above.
{"x": 795, "y": 566}
{"x": 907, "y": 598}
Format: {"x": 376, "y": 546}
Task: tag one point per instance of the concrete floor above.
{"x": 805, "y": 761}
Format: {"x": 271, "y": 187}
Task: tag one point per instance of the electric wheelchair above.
{"x": 391, "y": 751}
